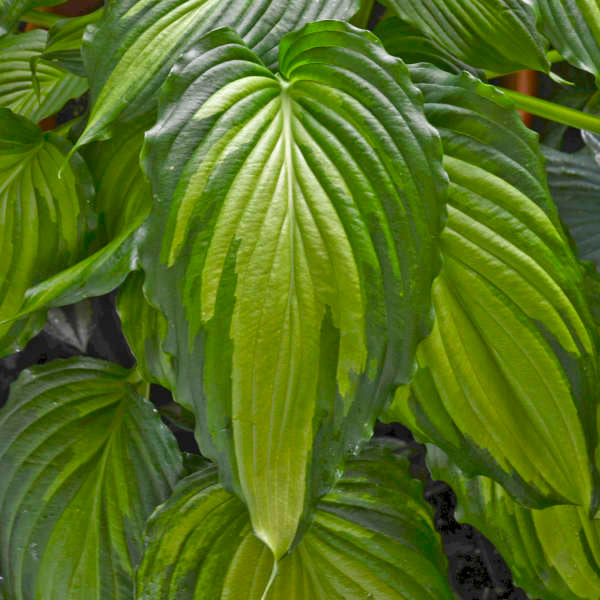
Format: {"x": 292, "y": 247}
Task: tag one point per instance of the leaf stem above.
{"x": 44, "y": 19}
{"x": 553, "y": 112}
{"x": 363, "y": 16}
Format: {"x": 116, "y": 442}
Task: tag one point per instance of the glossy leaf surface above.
{"x": 372, "y": 537}
{"x": 43, "y": 216}
{"x": 292, "y": 249}
{"x": 497, "y": 35}
{"x": 412, "y": 46}
{"x": 56, "y": 87}
{"x": 510, "y": 365}
{"x": 573, "y": 27}
{"x": 574, "y": 181}
{"x": 84, "y": 460}
{"x": 129, "y": 55}
{"x": 122, "y": 203}
{"x": 553, "y": 553}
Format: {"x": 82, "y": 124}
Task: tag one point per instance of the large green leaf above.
{"x": 63, "y": 47}
{"x": 42, "y": 215}
{"x": 17, "y": 91}
{"x": 84, "y": 460}
{"x": 145, "y": 329}
{"x": 412, "y": 46}
{"x": 122, "y": 203}
{"x": 497, "y": 35}
{"x": 574, "y": 181}
{"x": 508, "y": 381}
{"x": 130, "y": 53}
{"x": 123, "y": 197}
{"x": 573, "y": 27}
{"x": 12, "y": 10}
{"x": 553, "y": 553}
{"x": 371, "y": 537}
{"x": 292, "y": 249}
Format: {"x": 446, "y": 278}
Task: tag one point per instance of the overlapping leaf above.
{"x": 497, "y": 35}
{"x": 84, "y": 460}
{"x": 292, "y": 251}
{"x": 510, "y": 366}
{"x": 63, "y": 47}
{"x": 573, "y": 27}
{"x": 43, "y": 216}
{"x": 553, "y": 553}
{"x": 17, "y": 92}
{"x": 145, "y": 329}
{"x": 574, "y": 181}
{"x": 122, "y": 203}
{"x": 372, "y": 537}
{"x": 12, "y": 10}
{"x": 412, "y": 46}
{"x": 124, "y": 197}
{"x": 130, "y": 53}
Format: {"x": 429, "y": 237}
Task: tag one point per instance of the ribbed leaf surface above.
{"x": 145, "y": 329}
{"x": 553, "y": 553}
{"x": 122, "y": 203}
{"x": 574, "y": 181}
{"x": 56, "y": 87}
{"x": 573, "y": 27}
{"x": 497, "y": 35}
{"x": 412, "y": 46}
{"x": 292, "y": 251}
{"x": 508, "y": 382}
{"x": 372, "y": 537}
{"x": 123, "y": 197}
{"x": 129, "y": 55}
{"x": 42, "y": 215}
{"x": 84, "y": 460}
{"x": 63, "y": 47}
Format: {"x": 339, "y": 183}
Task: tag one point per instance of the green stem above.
{"x": 554, "y": 56}
{"x": 362, "y": 17}
{"x": 44, "y": 19}
{"x": 554, "y": 112}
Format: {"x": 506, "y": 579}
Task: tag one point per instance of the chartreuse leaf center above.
{"x": 295, "y": 228}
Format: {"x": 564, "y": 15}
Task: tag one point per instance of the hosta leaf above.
{"x": 412, "y": 46}
{"x": 130, "y": 53}
{"x": 42, "y": 216}
{"x": 497, "y": 35}
{"x": 124, "y": 197}
{"x": 292, "y": 249}
{"x": 122, "y": 203}
{"x": 12, "y": 10}
{"x": 56, "y": 87}
{"x": 574, "y": 181}
{"x": 510, "y": 366}
{"x": 371, "y": 537}
{"x": 145, "y": 329}
{"x": 63, "y": 47}
{"x": 84, "y": 460}
{"x": 573, "y": 27}
{"x": 72, "y": 325}
{"x": 553, "y": 553}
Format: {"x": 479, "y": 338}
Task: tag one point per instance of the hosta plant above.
{"x": 315, "y": 214}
